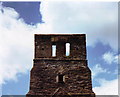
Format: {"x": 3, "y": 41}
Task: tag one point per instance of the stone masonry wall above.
{"x": 43, "y": 46}
{"x": 74, "y": 68}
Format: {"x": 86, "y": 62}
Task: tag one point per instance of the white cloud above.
{"x": 107, "y": 87}
{"x": 110, "y": 57}
{"x": 16, "y": 37}
{"x": 97, "y": 19}
{"x": 97, "y": 69}
{"x": 15, "y": 45}
{"x": 0, "y": 90}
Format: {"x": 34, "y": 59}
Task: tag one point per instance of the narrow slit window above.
{"x": 60, "y": 79}
{"x": 67, "y": 49}
{"x": 53, "y": 50}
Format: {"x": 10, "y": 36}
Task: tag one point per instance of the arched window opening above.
{"x": 53, "y": 50}
{"x": 67, "y": 49}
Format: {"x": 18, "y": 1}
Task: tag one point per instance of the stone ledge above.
{"x": 59, "y": 59}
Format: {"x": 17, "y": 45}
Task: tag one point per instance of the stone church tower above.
{"x": 60, "y": 67}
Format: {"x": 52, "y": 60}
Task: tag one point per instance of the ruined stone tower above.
{"x": 59, "y": 70}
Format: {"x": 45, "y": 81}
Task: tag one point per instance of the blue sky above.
{"x": 19, "y": 21}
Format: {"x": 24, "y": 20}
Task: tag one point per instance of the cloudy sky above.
{"x": 19, "y": 21}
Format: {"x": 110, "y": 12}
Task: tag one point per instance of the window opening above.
{"x": 53, "y": 50}
{"x": 42, "y": 48}
{"x": 61, "y": 78}
{"x": 67, "y": 49}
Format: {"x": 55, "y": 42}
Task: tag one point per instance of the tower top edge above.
{"x": 60, "y": 34}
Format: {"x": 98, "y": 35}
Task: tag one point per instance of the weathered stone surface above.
{"x": 74, "y": 68}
